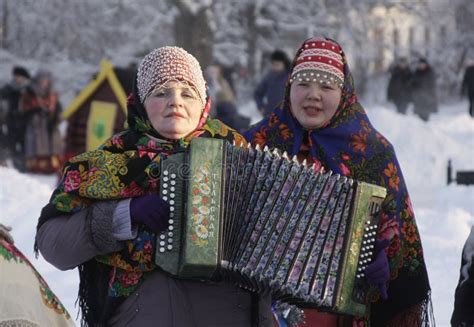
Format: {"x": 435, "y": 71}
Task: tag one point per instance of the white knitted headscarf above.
{"x": 169, "y": 64}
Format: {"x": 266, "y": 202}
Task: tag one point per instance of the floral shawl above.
{"x": 349, "y": 145}
{"x": 125, "y": 166}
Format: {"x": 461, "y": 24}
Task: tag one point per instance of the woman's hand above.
{"x": 151, "y": 211}
{"x": 378, "y": 271}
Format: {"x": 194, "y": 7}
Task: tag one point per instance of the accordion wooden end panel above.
{"x": 269, "y": 224}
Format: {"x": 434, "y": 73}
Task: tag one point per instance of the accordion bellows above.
{"x": 268, "y": 223}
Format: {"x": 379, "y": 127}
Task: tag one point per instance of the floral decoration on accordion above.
{"x": 203, "y": 222}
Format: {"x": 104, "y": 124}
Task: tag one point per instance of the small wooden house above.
{"x": 99, "y": 110}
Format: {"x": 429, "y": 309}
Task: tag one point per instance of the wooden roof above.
{"x": 108, "y": 74}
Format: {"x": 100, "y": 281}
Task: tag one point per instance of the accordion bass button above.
{"x": 173, "y": 182}
{"x": 172, "y": 195}
{"x": 170, "y": 234}
{"x": 171, "y": 209}
{"x": 170, "y": 240}
{"x": 162, "y": 243}
{"x": 171, "y": 221}
{"x": 162, "y": 236}
{"x": 165, "y": 198}
{"x": 173, "y": 176}
{"x": 165, "y": 185}
{"x": 171, "y": 227}
{"x": 165, "y": 172}
{"x": 170, "y": 247}
{"x": 172, "y": 189}
{"x": 165, "y": 192}
{"x": 165, "y": 179}
{"x": 172, "y": 201}
{"x": 162, "y": 250}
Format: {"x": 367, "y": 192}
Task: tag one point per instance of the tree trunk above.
{"x": 250, "y": 13}
{"x": 4, "y": 27}
{"x": 194, "y": 33}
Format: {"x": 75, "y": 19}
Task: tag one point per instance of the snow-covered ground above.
{"x": 444, "y": 212}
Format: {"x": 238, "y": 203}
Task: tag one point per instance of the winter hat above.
{"x": 20, "y": 71}
{"x": 169, "y": 63}
{"x": 319, "y": 60}
{"x": 279, "y": 55}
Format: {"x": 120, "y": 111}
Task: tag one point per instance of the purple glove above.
{"x": 378, "y": 271}
{"x": 151, "y": 211}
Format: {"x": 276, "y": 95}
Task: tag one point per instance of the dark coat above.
{"x": 399, "y": 85}
{"x": 226, "y": 112}
{"x": 161, "y": 300}
{"x": 468, "y": 81}
{"x": 424, "y": 95}
{"x": 271, "y": 91}
{"x": 463, "y": 314}
{"x": 15, "y": 121}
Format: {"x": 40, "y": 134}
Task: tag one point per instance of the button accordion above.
{"x": 268, "y": 223}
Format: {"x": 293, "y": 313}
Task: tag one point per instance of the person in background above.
{"x": 398, "y": 90}
{"x": 25, "y": 297}
{"x": 463, "y": 314}
{"x": 41, "y": 108}
{"x": 423, "y": 86}
{"x": 13, "y": 127}
{"x": 321, "y": 121}
{"x": 224, "y": 102}
{"x": 467, "y": 86}
{"x": 269, "y": 92}
{"x": 105, "y": 214}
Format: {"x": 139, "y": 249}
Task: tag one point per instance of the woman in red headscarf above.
{"x": 322, "y": 121}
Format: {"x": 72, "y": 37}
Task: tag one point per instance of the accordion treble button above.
{"x": 173, "y": 182}
{"x": 162, "y": 250}
{"x": 165, "y": 172}
{"x": 170, "y": 247}
{"x": 162, "y": 236}
{"x": 164, "y": 192}
{"x": 162, "y": 243}
{"x": 172, "y": 195}
{"x": 165, "y": 179}
{"x": 173, "y": 176}
{"x": 165, "y": 198}
{"x": 171, "y": 227}
{"x": 172, "y": 189}
{"x": 165, "y": 185}
{"x": 170, "y": 234}
{"x": 172, "y": 201}
{"x": 171, "y": 221}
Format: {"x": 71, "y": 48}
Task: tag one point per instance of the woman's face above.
{"x": 174, "y": 110}
{"x": 313, "y": 104}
